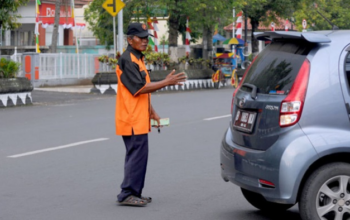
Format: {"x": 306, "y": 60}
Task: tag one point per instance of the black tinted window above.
{"x": 277, "y": 66}
{"x": 347, "y": 67}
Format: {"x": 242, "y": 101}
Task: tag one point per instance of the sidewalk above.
{"x": 72, "y": 89}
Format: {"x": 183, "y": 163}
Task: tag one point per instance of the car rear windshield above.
{"x": 277, "y": 66}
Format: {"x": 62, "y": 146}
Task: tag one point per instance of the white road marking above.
{"x": 218, "y": 117}
{"x": 57, "y": 148}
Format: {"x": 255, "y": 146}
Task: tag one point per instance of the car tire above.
{"x": 259, "y": 202}
{"x": 324, "y": 195}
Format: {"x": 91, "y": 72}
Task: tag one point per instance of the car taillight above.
{"x": 292, "y": 105}
{"x": 240, "y": 83}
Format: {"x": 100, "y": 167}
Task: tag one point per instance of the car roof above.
{"x": 325, "y": 36}
{"x": 311, "y": 37}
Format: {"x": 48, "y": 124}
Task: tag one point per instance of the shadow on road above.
{"x": 48, "y": 97}
{"x": 259, "y": 215}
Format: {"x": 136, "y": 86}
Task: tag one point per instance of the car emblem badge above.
{"x": 241, "y": 103}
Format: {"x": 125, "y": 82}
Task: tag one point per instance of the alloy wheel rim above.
{"x": 333, "y": 199}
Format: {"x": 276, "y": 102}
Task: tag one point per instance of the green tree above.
{"x": 265, "y": 11}
{"x": 177, "y": 11}
{"x": 205, "y": 14}
{"x": 54, "y": 38}
{"x": 101, "y": 22}
{"x": 8, "y": 13}
{"x": 336, "y": 11}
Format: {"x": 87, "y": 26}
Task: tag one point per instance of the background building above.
{"x": 23, "y": 38}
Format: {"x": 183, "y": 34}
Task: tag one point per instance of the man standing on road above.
{"x": 134, "y": 112}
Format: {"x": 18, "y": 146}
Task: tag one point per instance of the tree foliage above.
{"x": 101, "y": 22}
{"x": 265, "y": 11}
{"x": 8, "y": 13}
{"x": 8, "y": 68}
{"x": 336, "y": 11}
{"x": 54, "y": 37}
{"x": 206, "y": 14}
{"x": 178, "y": 10}
{"x": 203, "y": 15}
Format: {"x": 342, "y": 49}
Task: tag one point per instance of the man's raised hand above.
{"x": 175, "y": 79}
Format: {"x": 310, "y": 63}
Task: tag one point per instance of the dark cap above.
{"x": 138, "y": 29}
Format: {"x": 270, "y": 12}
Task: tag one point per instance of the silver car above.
{"x": 288, "y": 140}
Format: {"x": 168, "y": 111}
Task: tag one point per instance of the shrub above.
{"x": 154, "y": 58}
{"x": 8, "y": 68}
{"x": 108, "y": 60}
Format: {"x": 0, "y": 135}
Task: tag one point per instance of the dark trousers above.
{"x": 135, "y": 165}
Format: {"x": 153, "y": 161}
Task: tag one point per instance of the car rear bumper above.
{"x": 283, "y": 164}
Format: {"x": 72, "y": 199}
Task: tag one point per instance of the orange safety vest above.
{"x": 132, "y": 109}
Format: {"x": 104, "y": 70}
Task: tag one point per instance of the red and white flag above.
{"x": 239, "y": 25}
{"x": 155, "y": 29}
{"x": 188, "y": 38}
{"x": 286, "y": 25}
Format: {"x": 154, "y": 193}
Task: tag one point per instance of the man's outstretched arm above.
{"x": 171, "y": 79}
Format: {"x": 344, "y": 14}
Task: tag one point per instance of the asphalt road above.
{"x": 60, "y": 159}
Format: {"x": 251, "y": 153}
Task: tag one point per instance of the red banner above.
{"x": 47, "y": 14}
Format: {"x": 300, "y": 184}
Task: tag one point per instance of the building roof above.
{"x": 77, "y": 3}
{"x": 279, "y": 25}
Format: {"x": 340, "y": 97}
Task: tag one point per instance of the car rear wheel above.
{"x": 326, "y": 194}
{"x": 259, "y": 202}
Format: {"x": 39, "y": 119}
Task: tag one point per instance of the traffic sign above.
{"x": 113, "y": 6}
{"x": 304, "y": 23}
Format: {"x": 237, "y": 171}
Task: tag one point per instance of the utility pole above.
{"x": 233, "y": 24}
{"x": 245, "y": 27}
{"x": 0, "y": 37}
{"x": 120, "y": 32}
{"x": 115, "y": 47}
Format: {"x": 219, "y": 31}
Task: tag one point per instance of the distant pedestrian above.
{"x": 134, "y": 112}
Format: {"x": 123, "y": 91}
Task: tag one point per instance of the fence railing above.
{"x": 60, "y": 66}
{"x": 104, "y": 67}
{"x": 68, "y": 66}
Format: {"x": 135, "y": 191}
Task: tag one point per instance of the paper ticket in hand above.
{"x": 163, "y": 122}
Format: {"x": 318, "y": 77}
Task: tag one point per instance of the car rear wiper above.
{"x": 254, "y": 89}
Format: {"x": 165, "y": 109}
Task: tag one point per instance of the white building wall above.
{"x": 48, "y": 35}
{"x": 164, "y": 30}
{"x": 79, "y": 18}
{"x": 28, "y": 13}
{"x": 60, "y": 35}
{"x": 7, "y": 38}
